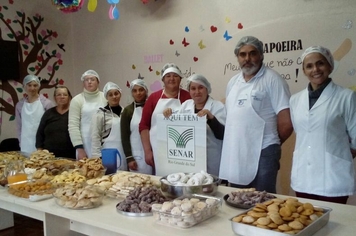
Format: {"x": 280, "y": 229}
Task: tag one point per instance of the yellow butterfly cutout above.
{"x": 227, "y": 20}
{"x": 201, "y": 45}
{"x": 157, "y": 72}
{"x": 92, "y": 5}
{"x": 133, "y": 67}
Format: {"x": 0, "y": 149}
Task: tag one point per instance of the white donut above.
{"x": 208, "y": 180}
{"x": 172, "y": 178}
{"x": 194, "y": 181}
{"x": 200, "y": 176}
{"x": 175, "y": 177}
{"x": 184, "y": 179}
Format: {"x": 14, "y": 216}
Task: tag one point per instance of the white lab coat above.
{"x": 322, "y": 162}
{"x": 213, "y": 145}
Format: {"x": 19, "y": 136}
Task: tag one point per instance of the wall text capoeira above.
{"x": 283, "y": 46}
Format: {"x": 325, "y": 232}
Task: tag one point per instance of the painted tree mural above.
{"x": 35, "y": 54}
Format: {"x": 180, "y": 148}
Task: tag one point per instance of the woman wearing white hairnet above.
{"x": 105, "y": 125}
{"x": 324, "y": 120}
{"x": 130, "y": 136}
{"x": 202, "y": 104}
{"x": 29, "y": 111}
{"x": 81, "y": 110}
{"x": 170, "y": 96}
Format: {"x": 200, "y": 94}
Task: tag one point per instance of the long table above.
{"x": 105, "y": 220}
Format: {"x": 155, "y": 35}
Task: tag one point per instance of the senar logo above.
{"x": 182, "y": 139}
{"x": 181, "y": 142}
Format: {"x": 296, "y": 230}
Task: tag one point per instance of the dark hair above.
{"x": 62, "y": 86}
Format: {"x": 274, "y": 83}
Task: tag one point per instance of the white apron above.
{"x": 136, "y": 143}
{"x": 174, "y": 104}
{"x": 114, "y": 141}
{"x": 88, "y": 109}
{"x": 31, "y": 115}
{"x": 243, "y": 137}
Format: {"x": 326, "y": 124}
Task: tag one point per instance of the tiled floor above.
{"x": 24, "y": 226}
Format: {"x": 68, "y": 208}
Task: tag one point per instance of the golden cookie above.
{"x": 300, "y": 209}
{"x": 295, "y": 215}
{"x": 278, "y": 200}
{"x": 248, "y": 219}
{"x": 262, "y": 226}
{"x": 308, "y": 206}
{"x": 273, "y": 208}
{"x": 318, "y": 213}
{"x": 318, "y": 209}
{"x": 296, "y": 225}
{"x": 284, "y": 227}
{"x": 267, "y": 203}
{"x": 263, "y": 221}
{"x": 313, "y": 217}
{"x": 276, "y": 218}
{"x": 258, "y": 209}
{"x": 291, "y": 207}
{"x": 261, "y": 206}
{"x": 238, "y": 219}
{"x": 284, "y": 211}
{"x": 256, "y": 214}
{"x": 307, "y": 212}
{"x": 287, "y": 218}
{"x": 272, "y": 226}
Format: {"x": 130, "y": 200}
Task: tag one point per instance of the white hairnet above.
{"x": 110, "y": 85}
{"x": 138, "y": 82}
{"x": 90, "y": 72}
{"x": 171, "y": 67}
{"x": 249, "y": 40}
{"x": 323, "y": 51}
{"x": 199, "y": 79}
{"x": 30, "y": 78}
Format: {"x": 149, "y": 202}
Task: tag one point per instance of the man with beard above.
{"x": 257, "y": 123}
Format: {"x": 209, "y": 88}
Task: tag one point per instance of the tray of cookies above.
{"x": 246, "y": 198}
{"x": 34, "y": 190}
{"x": 79, "y": 196}
{"x": 139, "y": 201}
{"x": 279, "y": 217}
{"x": 186, "y": 211}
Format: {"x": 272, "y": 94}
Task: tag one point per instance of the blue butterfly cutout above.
{"x": 227, "y": 36}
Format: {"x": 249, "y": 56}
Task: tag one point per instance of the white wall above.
{"x": 114, "y": 47}
{"x": 117, "y": 49}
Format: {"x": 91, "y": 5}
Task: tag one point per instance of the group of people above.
{"x": 244, "y": 135}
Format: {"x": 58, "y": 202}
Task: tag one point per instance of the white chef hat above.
{"x": 110, "y": 85}
{"x": 323, "y": 51}
{"x": 30, "y": 78}
{"x": 171, "y": 67}
{"x": 139, "y": 82}
{"x": 200, "y": 79}
{"x": 90, "y": 72}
